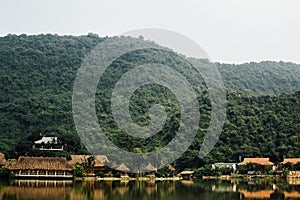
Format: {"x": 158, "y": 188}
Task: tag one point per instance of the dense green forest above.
{"x": 38, "y": 74}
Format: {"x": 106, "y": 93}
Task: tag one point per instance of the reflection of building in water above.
{"x": 293, "y": 194}
{"x": 151, "y": 189}
{"x": 50, "y": 189}
{"x": 171, "y": 188}
{"x": 224, "y": 188}
{"x": 187, "y": 182}
{"x": 21, "y": 192}
{"x": 42, "y": 183}
{"x": 121, "y": 190}
{"x": 98, "y": 194}
{"x": 262, "y": 194}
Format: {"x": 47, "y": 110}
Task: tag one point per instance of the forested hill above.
{"x": 262, "y": 78}
{"x": 37, "y": 78}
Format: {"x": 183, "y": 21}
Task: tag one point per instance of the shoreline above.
{"x": 175, "y": 178}
{"x": 127, "y": 179}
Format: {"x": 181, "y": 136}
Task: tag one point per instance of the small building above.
{"x": 260, "y": 161}
{"x": 78, "y": 159}
{"x": 186, "y": 175}
{"x": 98, "y": 165}
{"x": 123, "y": 168}
{"x": 224, "y": 165}
{"x": 47, "y": 167}
{"x": 48, "y": 143}
{"x": 149, "y": 168}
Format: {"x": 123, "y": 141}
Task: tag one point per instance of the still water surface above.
{"x": 144, "y": 190}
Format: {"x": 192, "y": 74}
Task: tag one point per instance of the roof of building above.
{"x": 40, "y": 163}
{"x": 78, "y": 159}
{"x": 221, "y": 163}
{"x": 123, "y": 168}
{"x": 100, "y": 160}
{"x": 260, "y": 161}
{"x": 149, "y": 168}
{"x": 291, "y": 160}
{"x": 46, "y": 140}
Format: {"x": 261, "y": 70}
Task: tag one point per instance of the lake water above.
{"x": 144, "y": 190}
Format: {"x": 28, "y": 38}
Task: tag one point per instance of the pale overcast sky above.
{"x": 231, "y": 31}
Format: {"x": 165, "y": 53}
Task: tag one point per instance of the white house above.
{"x": 48, "y": 143}
{"x": 226, "y": 165}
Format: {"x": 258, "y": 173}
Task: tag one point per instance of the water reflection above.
{"x": 115, "y": 190}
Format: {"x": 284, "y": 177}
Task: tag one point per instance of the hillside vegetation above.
{"x": 38, "y": 74}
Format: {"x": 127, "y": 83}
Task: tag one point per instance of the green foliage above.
{"x": 264, "y": 78}
{"x": 37, "y": 77}
{"x": 289, "y": 166}
{"x": 79, "y": 171}
{"x": 85, "y": 168}
{"x": 4, "y": 172}
{"x": 256, "y": 168}
{"x": 208, "y": 170}
{"x": 88, "y": 165}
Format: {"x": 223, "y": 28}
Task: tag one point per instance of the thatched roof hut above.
{"x": 260, "y": 161}
{"x": 122, "y": 190}
{"x": 187, "y": 175}
{"x": 149, "y": 168}
{"x": 123, "y": 168}
{"x": 78, "y": 159}
{"x": 100, "y": 160}
{"x": 40, "y": 163}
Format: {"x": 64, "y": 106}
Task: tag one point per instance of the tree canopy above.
{"x": 38, "y": 74}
